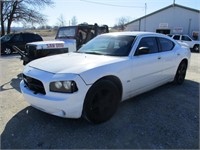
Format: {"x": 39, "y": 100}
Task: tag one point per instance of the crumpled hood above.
{"x": 72, "y": 62}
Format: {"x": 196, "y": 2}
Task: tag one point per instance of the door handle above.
{"x": 178, "y": 54}
{"x": 159, "y": 57}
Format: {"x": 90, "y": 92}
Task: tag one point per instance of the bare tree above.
{"x": 74, "y": 21}
{"x": 25, "y": 11}
{"x": 61, "y": 20}
{"x": 122, "y": 21}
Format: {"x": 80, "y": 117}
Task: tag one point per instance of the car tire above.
{"x": 7, "y": 51}
{"x": 196, "y": 48}
{"x": 180, "y": 73}
{"x": 101, "y": 101}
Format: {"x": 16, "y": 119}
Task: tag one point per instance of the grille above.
{"x": 31, "y": 51}
{"x": 34, "y": 84}
{"x": 49, "y": 52}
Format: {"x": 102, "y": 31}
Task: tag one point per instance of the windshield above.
{"x": 109, "y": 45}
{"x": 6, "y": 38}
{"x": 66, "y": 32}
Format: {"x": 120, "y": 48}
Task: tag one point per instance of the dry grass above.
{"x": 44, "y": 33}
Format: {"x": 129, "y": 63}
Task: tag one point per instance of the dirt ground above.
{"x": 166, "y": 117}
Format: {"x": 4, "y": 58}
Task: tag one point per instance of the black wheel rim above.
{"x": 7, "y": 51}
{"x": 103, "y": 103}
{"x": 102, "y": 106}
{"x": 196, "y": 48}
{"x": 181, "y": 73}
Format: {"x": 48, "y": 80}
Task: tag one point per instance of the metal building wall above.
{"x": 176, "y": 19}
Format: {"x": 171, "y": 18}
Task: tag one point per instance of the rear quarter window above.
{"x": 166, "y": 44}
{"x": 31, "y": 38}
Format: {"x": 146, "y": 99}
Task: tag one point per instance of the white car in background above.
{"x": 109, "y": 69}
{"x": 187, "y": 41}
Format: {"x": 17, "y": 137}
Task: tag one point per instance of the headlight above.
{"x": 63, "y": 86}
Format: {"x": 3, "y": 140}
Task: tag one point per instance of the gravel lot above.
{"x": 166, "y": 117}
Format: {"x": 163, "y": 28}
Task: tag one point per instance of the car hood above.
{"x": 56, "y": 44}
{"x": 72, "y": 62}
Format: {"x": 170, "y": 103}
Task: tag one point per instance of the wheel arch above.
{"x": 180, "y": 72}
{"x": 185, "y": 60}
{"x": 196, "y": 45}
{"x": 115, "y": 80}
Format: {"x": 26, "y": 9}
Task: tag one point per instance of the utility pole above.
{"x": 189, "y": 26}
{"x": 145, "y": 8}
{"x": 174, "y": 2}
{"x": 145, "y": 16}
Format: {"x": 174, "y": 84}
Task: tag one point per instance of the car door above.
{"x": 17, "y": 40}
{"x": 28, "y": 37}
{"x": 146, "y": 68}
{"x": 168, "y": 56}
{"x": 187, "y": 40}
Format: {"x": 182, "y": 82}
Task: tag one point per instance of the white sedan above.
{"x": 109, "y": 69}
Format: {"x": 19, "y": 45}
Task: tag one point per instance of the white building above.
{"x": 173, "y": 19}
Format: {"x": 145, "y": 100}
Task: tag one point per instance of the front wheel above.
{"x": 101, "y": 101}
{"x": 180, "y": 73}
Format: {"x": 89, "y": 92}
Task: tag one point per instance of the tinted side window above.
{"x": 149, "y": 42}
{"x": 17, "y": 38}
{"x": 37, "y": 38}
{"x": 176, "y": 37}
{"x": 185, "y": 38}
{"x": 166, "y": 44}
{"x": 28, "y": 37}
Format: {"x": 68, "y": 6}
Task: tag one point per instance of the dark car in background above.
{"x": 17, "y": 39}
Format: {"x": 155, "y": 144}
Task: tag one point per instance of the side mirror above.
{"x": 142, "y": 51}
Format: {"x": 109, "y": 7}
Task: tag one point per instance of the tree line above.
{"x": 28, "y": 13}
{"x": 24, "y": 11}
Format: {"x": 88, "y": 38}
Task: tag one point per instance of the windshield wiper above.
{"x": 68, "y": 37}
{"x": 95, "y": 53}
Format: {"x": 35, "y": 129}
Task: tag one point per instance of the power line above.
{"x": 113, "y": 5}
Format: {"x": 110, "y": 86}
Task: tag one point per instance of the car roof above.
{"x": 181, "y": 34}
{"x": 16, "y": 33}
{"x": 133, "y": 33}
{"x": 140, "y": 33}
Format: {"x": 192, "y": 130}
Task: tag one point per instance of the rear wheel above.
{"x": 196, "y": 48}
{"x": 101, "y": 101}
{"x": 180, "y": 73}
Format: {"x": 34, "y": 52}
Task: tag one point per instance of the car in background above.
{"x": 108, "y": 69}
{"x": 80, "y": 34}
{"x": 68, "y": 39}
{"x": 17, "y": 39}
{"x": 182, "y": 39}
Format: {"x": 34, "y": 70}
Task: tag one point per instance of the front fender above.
{"x": 120, "y": 70}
